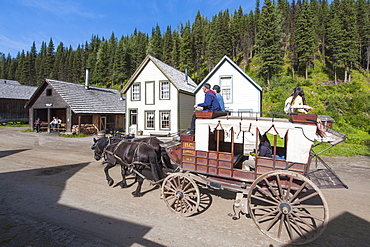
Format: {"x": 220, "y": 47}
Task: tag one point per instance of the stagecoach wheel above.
{"x": 181, "y": 194}
{"x": 287, "y": 207}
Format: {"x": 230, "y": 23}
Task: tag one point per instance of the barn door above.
{"x": 103, "y": 123}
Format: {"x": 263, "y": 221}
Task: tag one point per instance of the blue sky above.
{"x": 73, "y": 22}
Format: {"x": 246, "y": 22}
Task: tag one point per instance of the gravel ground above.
{"x": 53, "y": 193}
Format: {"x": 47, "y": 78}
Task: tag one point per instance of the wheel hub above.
{"x": 179, "y": 195}
{"x": 285, "y": 208}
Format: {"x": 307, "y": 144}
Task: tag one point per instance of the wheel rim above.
{"x": 181, "y": 194}
{"x": 288, "y": 207}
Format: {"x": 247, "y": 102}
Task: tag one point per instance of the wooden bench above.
{"x": 210, "y": 114}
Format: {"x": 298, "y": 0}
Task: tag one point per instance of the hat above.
{"x": 216, "y": 87}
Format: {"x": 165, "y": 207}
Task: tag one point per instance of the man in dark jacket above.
{"x": 210, "y": 104}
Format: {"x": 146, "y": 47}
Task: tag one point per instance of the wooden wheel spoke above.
{"x": 267, "y": 194}
{"x": 305, "y": 198}
{"x": 308, "y": 206}
{"x": 187, "y": 198}
{"x": 172, "y": 185}
{"x": 265, "y": 215}
{"x": 289, "y": 187}
{"x": 189, "y": 190}
{"x": 276, "y": 218}
{"x": 263, "y": 207}
{"x": 279, "y": 186}
{"x": 171, "y": 202}
{"x": 169, "y": 188}
{"x": 264, "y": 200}
{"x": 297, "y": 226}
{"x": 281, "y": 225}
{"x": 298, "y": 191}
{"x": 304, "y": 222}
{"x": 270, "y": 186}
{"x": 309, "y": 215}
{"x": 186, "y": 186}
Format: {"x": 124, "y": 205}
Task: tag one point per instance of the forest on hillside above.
{"x": 320, "y": 46}
{"x": 295, "y": 33}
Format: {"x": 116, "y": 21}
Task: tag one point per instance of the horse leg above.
{"x": 123, "y": 183}
{"x": 106, "y": 171}
{"x": 139, "y": 181}
{"x": 157, "y": 170}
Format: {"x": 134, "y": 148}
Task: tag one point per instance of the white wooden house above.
{"x": 239, "y": 91}
{"x": 159, "y": 99}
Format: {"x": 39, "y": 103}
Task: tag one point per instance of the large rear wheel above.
{"x": 287, "y": 207}
{"x": 181, "y": 194}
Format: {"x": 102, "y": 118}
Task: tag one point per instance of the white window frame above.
{"x": 227, "y": 88}
{"x": 135, "y": 93}
{"x": 149, "y": 118}
{"x": 164, "y": 94}
{"x": 162, "y": 122}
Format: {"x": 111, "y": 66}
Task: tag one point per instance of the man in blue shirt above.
{"x": 219, "y": 97}
{"x": 210, "y": 104}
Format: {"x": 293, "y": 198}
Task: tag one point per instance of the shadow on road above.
{"x": 37, "y": 192}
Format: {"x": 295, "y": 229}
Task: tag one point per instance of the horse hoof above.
{"x": 137, "y": 194}
{"x": 110, "y": 183}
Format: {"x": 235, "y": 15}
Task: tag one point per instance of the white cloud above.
{"x": 61, "y": 8}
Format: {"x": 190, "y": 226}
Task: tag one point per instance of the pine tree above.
{"x": 167, "y": 46}
{"x": 186, "y": 51}
{"x": 305, "y": 37}
{"x": 268, "y": 41}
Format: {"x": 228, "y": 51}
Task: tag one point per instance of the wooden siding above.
{"x": 245, "y": 95}
{"x": 12, "y": 110}
{"x": 186, "y": 110}
{"x": 178, "y": 118}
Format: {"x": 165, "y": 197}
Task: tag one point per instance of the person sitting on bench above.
{"x": 210, "y": 104}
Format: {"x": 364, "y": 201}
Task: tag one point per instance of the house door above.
{"x": 103, "y": 123}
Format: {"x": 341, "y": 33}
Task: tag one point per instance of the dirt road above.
{"x": 53, "y": 193}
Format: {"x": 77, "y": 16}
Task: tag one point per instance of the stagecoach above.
{"x": 281, "y": 194}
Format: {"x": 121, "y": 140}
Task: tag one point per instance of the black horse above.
{"x": 100, "y": 144}
{"x": 133, "y": 157}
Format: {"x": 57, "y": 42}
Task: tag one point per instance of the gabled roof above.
{"x": 226, "y": 59}
{"x": 94, "y": 100}
{"x": 16, "y": 91}
{"x": 173, "y": 75}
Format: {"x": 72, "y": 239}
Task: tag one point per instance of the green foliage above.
{"x": 13, "y": 124}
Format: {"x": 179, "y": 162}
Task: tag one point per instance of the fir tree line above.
{"x": 295, "y": 33}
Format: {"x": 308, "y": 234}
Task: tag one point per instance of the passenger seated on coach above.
{"x": 265, "y": 149}
{"x": 210, "y": 104}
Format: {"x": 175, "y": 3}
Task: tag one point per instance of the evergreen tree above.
{"x": 305, "y": 37}
{"x": 102, "y": 64}
{"x": 268, "y": 41}
{"x": 186, "y": 51}
{"x": 167, "y": 46}
{"x": 155, "y": 45}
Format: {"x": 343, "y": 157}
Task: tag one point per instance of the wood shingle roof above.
{"x": 16, "y": 91}
{"x": 94, "y": 100}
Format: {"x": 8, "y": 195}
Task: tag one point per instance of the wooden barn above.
{"x": 81, "y": 108}
{"x": 13, "y": 98}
